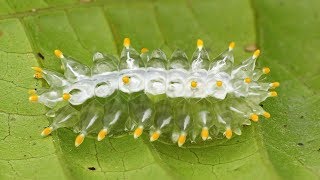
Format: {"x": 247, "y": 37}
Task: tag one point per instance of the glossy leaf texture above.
{"x": 286, "y": 146}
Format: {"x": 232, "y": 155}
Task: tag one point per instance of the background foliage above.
{"x": 285, "y": 146}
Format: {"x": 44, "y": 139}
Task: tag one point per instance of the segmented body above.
{"x": 177, "y": 98}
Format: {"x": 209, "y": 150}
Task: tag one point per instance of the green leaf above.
{"x": 284, "y": 147}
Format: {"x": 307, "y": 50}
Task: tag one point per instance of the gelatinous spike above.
{"x": 178, "y": 60}
{"x": 130, "y": 58}
{"x": 200, "y": 58}
{"x": 104, "y": 64}
{"x": 223, "y": 62}
{"x": 91, "y": 117}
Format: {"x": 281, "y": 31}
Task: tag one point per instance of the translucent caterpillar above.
{"x": 177, "y": 99}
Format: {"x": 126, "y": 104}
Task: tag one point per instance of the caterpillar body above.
{"x": 173, "y": 98}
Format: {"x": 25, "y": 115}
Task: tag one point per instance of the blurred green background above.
{"x": 286, "y": 146}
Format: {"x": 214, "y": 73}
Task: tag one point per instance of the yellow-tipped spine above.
{"x": 254, "y": 117}
{"x": 46, "y": 131}
{"x": 144, "y": 50}
{"x": 199, "y": 44}
{"x": 205, "y": 133}
{"x": 266, "y": 70}
{"x": 102, "y": 134}
{"x": 228, "y": 133}
{"x": 58, "y": 53}
{"x": 256, "y": 54}
{"x": 182, "y": 139}
{"x": 79, "y": 140}
{"x": 34, "y": 98}
{"x": 126, "y": 42}
{"x": 273, "y": 93}
{"x": 38, "y": 69}
{"x": 155, "y": 135}
{"x": 266, "y": 115}
{"x": 137, "y": 133}
{"x": 232, "y": 45}
{"x": 275, "y": 84}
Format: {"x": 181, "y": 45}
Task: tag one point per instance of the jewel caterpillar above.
{"x": 173, "y": 98}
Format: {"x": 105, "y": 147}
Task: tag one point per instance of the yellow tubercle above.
{"x": 46, "y": 131}
{"x": 102, "y": 134}
{"x": 34, "y": 98}
{"x": 273, "y": 93}
{"x": 66, "y": 96}
{"x": 247, "y": 80}
{"x": 38, "y": 69}
{"x": 266, "y": 70}
{"x": 144, "y": 50}
{"x": 256, "y": 54}
{"x": 275, "y": 84}
{"x": 228, "y": 133}
{"x": 155, "y": 136}
{"x": 232, "y": 45}
{"x": 58, "y": 53}
{"x": 137, "y": 133}
{"x": 266, "y": 115}
{"x": 200, "y": 44}
{"x": 126, "y": 42}
{"x": 182, "y": 139}
{"x": 254, "y": 117}
{"x": 126, "y": 79}
{"x": 79, "y": 140}
{"x": 205, "y": 133}
{"x": 194, "y": 84}
{"x": 37, "y": 75}
{"x": 219, "y": 83}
